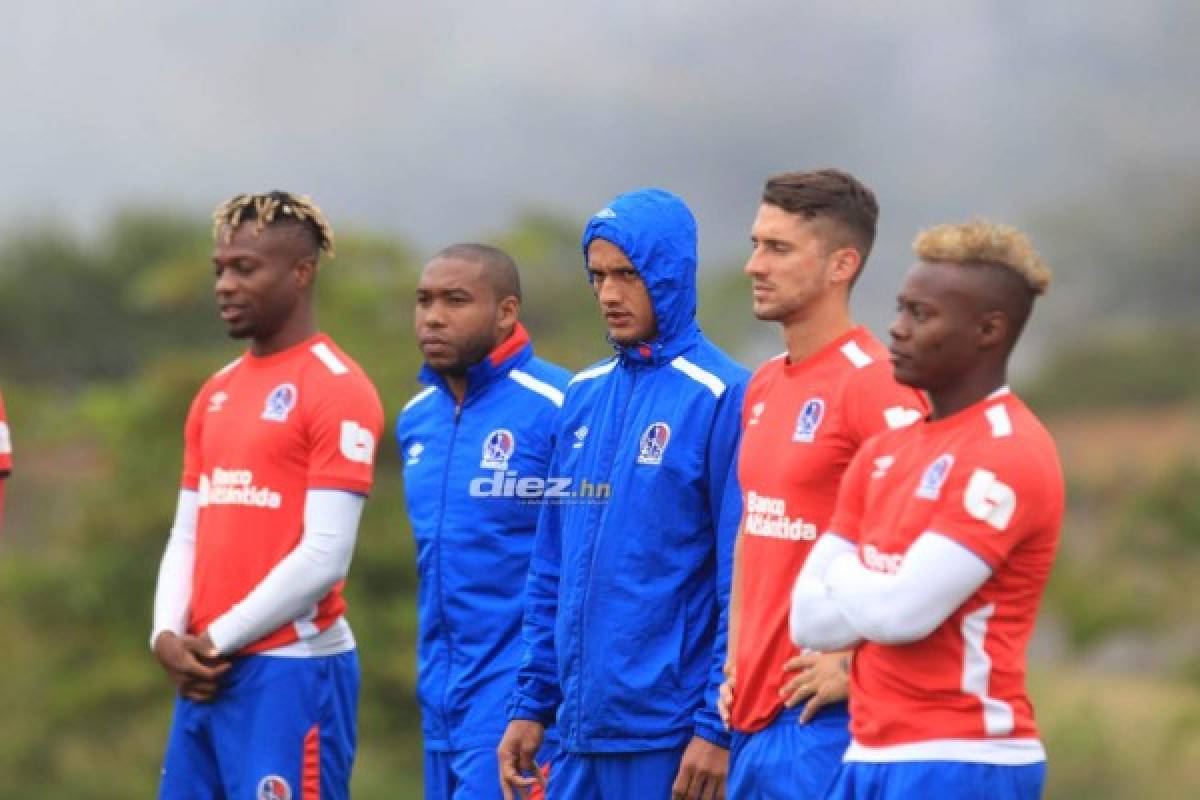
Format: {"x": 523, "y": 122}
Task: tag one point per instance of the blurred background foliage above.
{"x": 104, "y": 339}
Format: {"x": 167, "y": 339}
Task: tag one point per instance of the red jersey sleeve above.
{"x": 193, "y": 429}
{"x": 344, "y": 425}
{"x": 5, "y": 454}
{"x": 852, "y": 494}
{"x": 5, "y": 440}
{"x": 997, "y": 493}
{"x": 876, "y": 403}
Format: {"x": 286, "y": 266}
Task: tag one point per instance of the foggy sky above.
{"x": 441, "y": 121}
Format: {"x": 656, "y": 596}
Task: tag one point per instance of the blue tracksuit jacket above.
{"x": 623, "y": 602}
{"x": 473, "y": 551}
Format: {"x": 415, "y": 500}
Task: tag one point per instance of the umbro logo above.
{"x": 882, "y": 465}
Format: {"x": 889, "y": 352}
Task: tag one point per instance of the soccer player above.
{"x": 807, "y": 411}
{"x": 624, "y": 596}
{"x": 279, "y": 446}
{"x": 942, "y": 541}
{"x": 5, "y": 456}
{"x": 482, "y": 427}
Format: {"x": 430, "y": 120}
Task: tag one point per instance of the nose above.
{"x": 225, "y": 283}
{"x": 754, "y": 266}
{"x": 607, "y": 291}
{"x": 431, "y": 316}
{"x": 898, "y": 330}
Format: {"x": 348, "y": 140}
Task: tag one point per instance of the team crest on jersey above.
{"x": 809, "y": 420}
{"x": 273, "y": 787}
{"x": 756, "y": 412}
{"x": 654, "y": 443}
{"x": 935, "y": 475}
{"x": 217, "y": 401}
{"x": 280, "y": 402}
{"x": 498, "y": 448}
{"x": 580, "y": 436}
{"x": 414, "y": 453}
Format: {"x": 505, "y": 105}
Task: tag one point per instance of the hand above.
{"x": 515, "y": 755}
{"x": 822, "y": 678}
{"x": 701, "y": 772}
{"x": 192, "y": 663}
{"x": 725, "y": 697}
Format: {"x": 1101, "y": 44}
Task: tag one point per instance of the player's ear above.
{"x": 507, "y": 311}
{"x": 993, "y": 329}
{"x": 305, "y": 272}
{"x": 846, "y": 262}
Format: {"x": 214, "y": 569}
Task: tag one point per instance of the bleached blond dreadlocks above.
{"x": 267, "y": 208}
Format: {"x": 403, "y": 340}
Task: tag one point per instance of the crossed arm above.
{"x": 838, "y": 602}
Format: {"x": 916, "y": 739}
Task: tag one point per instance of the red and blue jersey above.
{"x": 987, "y": 477}
{"x": 803, "y": 423}
{"x": 260, "y": 434}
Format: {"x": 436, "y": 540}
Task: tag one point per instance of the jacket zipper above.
{"x": 441, "y": 584}
{"x": 592, "y": 559}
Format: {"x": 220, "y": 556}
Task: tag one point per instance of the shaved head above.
{"x": 985, "y": 288}
{"x": 498, "y": 269}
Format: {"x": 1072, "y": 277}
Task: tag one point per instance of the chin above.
{"x": 766, "y": 312}
{"x": 447, "y": 367}
{"x": 905, "y": 378}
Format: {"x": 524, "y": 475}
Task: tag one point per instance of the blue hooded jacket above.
{"x": 625, "y": 591}
{"x": 474, "y": 533}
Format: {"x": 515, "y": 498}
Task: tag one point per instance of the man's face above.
{"x": 457, "y": 318}
{"x": 788, "y": 264}
{"x": 624, "y": 301}
{"x": 260, "y": 279}
{"x": 936, "y": 334}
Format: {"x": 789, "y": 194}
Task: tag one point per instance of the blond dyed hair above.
{"x": 982, "y": 241}
{"x": 266, "y": 208}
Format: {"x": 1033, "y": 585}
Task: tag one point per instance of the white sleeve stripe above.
{"x": 856, "y": 355}
{"x": 418, "y": 397}
{"x": 595, "y": 372}
{"x": 229, "y": 366}
{"x": 699, "y": 374}
{"x": 534, "y": 385}
{"x": 335, "y": 364}
{"x": 1001, "y": 423}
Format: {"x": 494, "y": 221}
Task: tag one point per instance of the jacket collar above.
{"x": 661, "y": 350}
{"x": 513, "y": 352}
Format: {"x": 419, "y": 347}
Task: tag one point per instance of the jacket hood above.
{"x": 657, "y": 233}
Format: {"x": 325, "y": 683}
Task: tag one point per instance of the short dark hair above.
{"x": 499, "y": 268}
{"x": 829, "y": 194}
